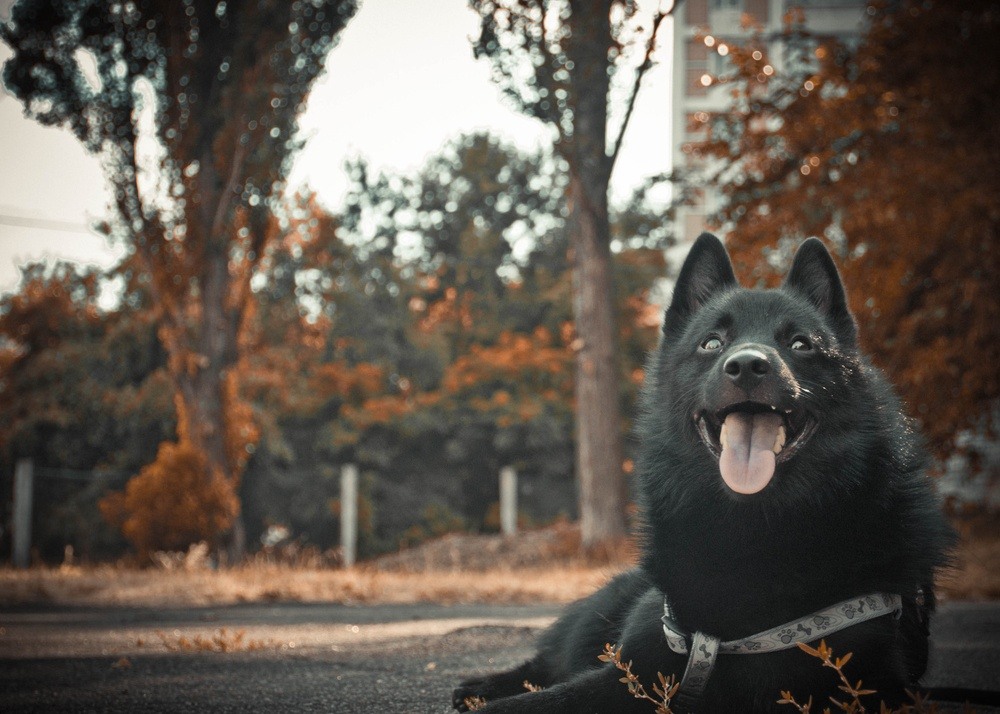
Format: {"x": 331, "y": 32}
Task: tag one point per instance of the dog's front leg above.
{"x": 597, "y": 691}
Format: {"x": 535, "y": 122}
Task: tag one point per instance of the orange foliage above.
{"x": 273, "y": 375}
{"x": 292, "y": 378}
{"x": 451, "y": 309}
{"x": 889, "y": 151}
{"x": 173, "y": 502}
{"x": 377, "y": 410}
{"x": 521, "y": 359}
{"x": 352, "y": 383}
{"x": 514, "y": 381}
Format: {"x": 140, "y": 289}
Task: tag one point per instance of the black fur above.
{"x": 851, "y": 512}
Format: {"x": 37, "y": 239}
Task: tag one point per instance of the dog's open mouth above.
{"x": 750, "y": 439}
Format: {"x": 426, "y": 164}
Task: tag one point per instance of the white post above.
{"x": 23, "y": 475}
{"x": 508, "y": 500}
{"x": 349, "y": 513}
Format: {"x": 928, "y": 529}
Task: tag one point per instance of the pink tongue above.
{"x": 747, "y": 461}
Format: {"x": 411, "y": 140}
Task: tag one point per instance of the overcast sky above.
{"x": 401, "y": 83}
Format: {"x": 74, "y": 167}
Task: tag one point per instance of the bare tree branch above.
{"x": 545, "y": 75}
{"x": 647, "y": 62}
{"x": 224, "y": 208}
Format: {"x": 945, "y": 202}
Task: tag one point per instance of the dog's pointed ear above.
{"x": 706, "y": 271}
{"x": 814, "y": 275}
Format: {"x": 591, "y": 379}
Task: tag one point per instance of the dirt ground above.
{"x": 340, "y": 659}
{"x": 290, "y": 632}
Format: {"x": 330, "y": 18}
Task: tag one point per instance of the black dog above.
{"x": 785, "y": 501}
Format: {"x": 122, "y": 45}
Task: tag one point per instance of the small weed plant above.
{"x": 222, "y": 640}
{"x": 474, "y": 704}
{"x": 850, "y": 702}
{"x": 665, "y": 689}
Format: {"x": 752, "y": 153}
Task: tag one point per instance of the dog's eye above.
{"x": 801, "y": 343}
{"x": 711, "y": 344}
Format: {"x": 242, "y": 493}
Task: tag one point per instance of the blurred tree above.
{"x": 408, "y": 277}
{"x": 462, "y": 230}
{"x": 891, "y": 151}
{"x": 500, "y": 405}
{"x": 170, "y": 505}
{"x": 192, "y": 106}
{"x": 83, "y": 392}
{"x": 560, "y": 62}
{"x": 322, "y": 335}
{"x": 479, "y": 239}
{"x": 430, "y": 368}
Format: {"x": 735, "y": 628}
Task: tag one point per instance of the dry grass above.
{"x": 556, "y": 546}
{"x": 451, "y": 570}
{"x": 222, "y": 640}
{"x": 119, "y": 586}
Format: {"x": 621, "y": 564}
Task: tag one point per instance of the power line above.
{"x": 85, "y": 475}
{"x": 46, "y": 224}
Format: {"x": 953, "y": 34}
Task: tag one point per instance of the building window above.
{"x": 697, "y": 68}
{"x": 697, "y": 85}
{"x": 719, "y": 62}
{"x": 697, "y": 52}
{"x": 697, "y": 12}
{"x": 758, "y": 9}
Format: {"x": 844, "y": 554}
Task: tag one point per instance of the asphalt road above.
{"x": 329, "y": 658}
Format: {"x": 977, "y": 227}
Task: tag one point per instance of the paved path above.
{"x": 329, "y": 658}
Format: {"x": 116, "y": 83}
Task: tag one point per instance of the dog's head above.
{"x": 758, "y": 380}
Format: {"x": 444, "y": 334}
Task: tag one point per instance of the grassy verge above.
{"x": 424, "y": 576}
{"x": 119, "y": 586}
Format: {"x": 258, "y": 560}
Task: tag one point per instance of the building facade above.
{"x": 704, "y": 30}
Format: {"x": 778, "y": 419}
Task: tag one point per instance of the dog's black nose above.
{"x": 747, "y": 368}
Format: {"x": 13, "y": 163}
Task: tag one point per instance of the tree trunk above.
{"x": 218, "y": 343}
{"x": 214, "y": 349}
{"x": 201, "y": 387}
{"x": 601, "y": 483}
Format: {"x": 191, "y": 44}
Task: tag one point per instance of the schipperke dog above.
{"x": 784, "y": 500}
